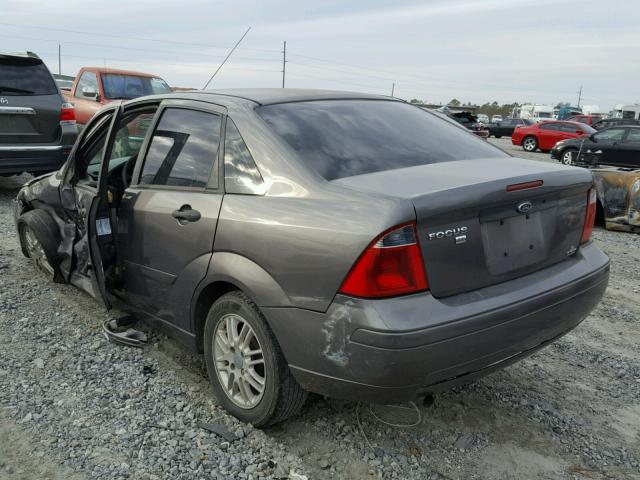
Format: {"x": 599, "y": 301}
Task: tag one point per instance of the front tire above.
{"x": 568, "y": 156}
{"x": 39, "y": 240}
{"x": 247, "y": 370}
{"x": 529, "y": 144}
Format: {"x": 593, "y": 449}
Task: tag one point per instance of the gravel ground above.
{"x": 73, "y": 406}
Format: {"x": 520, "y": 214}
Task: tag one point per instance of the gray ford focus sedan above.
{"x": 346, "y": 244}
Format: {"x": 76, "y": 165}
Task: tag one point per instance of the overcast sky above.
{"x": 474, "y": 50}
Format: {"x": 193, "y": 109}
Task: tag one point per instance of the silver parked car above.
{"x": 339, "y": 243}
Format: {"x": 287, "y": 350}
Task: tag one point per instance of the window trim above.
{"x": 213, "y": 187}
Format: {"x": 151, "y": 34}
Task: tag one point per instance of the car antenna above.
{"x": 226, "y": 58}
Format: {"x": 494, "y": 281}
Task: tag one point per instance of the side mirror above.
{"x": 90, "y": 92}
{"x": 593, "y": 138}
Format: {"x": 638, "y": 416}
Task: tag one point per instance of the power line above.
{"x": 338, "y": 81}
{"x": 143, "y": 62}
{"x": 135, "y": 49}
{"x": 434, "y": 80}
{"x": 122, "y": 37}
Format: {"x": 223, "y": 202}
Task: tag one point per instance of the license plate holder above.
{"x": 514, "y": 242}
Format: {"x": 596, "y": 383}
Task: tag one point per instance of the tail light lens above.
{"x": 67, "y": 113}
{"x": 590, "y": 217}
{"x": 390, "y": 266}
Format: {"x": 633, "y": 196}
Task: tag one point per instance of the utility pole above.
{"x": 284, "y": 62}
{"x": 579, "y": 95}
{"x": 393, "y": 87}
{"x": 59, "y": 60}
{"x": 226, "y": 58}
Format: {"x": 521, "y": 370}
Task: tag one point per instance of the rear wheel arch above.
{"x": 205, "y": 299}
{"x": 228, "y": 272}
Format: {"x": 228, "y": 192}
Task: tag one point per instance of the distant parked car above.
{"x": 588, "y": 119}
{"x": 470, "y": 122}
{"x": 37, "y": 127}
{"x": 95, "y": 87}
{"x": 545, "y": 135}
{"x": 496, "y": 118}
{"x": 483, "y": 118}
{"x": 507, "y": 126}
{"x": 614, "y": 122}
{"x": 617, "y": 146}
{"x": 64, "y": 84}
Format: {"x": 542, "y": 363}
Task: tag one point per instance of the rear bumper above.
{"x": 37, "y": 158}
{"x": 397, "y": 349}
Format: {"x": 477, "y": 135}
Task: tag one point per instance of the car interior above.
{"x": 129, "y": 137}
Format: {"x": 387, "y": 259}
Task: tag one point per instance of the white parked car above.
{"x": 496, "y": 118}
{"x": 482, "y": 118}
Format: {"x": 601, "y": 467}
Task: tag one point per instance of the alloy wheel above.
{"x": 239, "y": 361}
{"x": 529, "y": 144}
{"x": 36, "y": 251}
{"x": 567, "y": 157}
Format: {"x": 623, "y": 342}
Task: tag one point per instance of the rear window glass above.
{"x": 342, "y": 138}
{"x": 131, "y": 86}
{"x": 20, "y": 76}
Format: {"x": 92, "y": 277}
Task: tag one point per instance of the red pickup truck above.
{"x": 94, "y": 87}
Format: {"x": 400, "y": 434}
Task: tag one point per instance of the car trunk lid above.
{"x": 474, "y": 231}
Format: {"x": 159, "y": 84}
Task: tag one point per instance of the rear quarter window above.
{"x": 25, "y": 76}
{"x": 343, "y": 138}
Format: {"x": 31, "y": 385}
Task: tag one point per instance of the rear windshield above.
{"x": 131, "y": 86}
{"x": 342, "y": 138}
{"x": 25, "y": 76}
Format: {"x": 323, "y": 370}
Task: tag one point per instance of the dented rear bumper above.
{"x": 397, "y": 349}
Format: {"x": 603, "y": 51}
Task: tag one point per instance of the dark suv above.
{"x": 37, "y": 127}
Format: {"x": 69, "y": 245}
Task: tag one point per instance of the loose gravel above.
{"x": 73, "y": 406}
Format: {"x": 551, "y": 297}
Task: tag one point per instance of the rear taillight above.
{"x": 390, "y": 266}
{"x": 590, "y": 216}
{"x": 67, "y": 113}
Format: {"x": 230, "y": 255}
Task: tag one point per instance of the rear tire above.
{"x": 529, "y": 144}
{"x": 568, "y": 156}
{"x": 247, "y": 370}
{"x": 39, "y": 240}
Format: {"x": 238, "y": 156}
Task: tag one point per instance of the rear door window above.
{"x": 551, "y": 126}
{"x": 25, "y": 76}
{"x": 633, "y": 135}
{"x": 342, "y": 138}
{"x": 611, "y": 135}
{"x": 183, "y": 149}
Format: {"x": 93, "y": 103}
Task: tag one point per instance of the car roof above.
{"x": 118, "y": 71}
{"x": 269, "y": 96}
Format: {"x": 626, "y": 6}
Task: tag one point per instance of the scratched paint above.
{"x": 336, "y": 333}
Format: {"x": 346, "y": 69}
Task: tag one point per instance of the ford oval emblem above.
{"x": 525, "y": 207}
